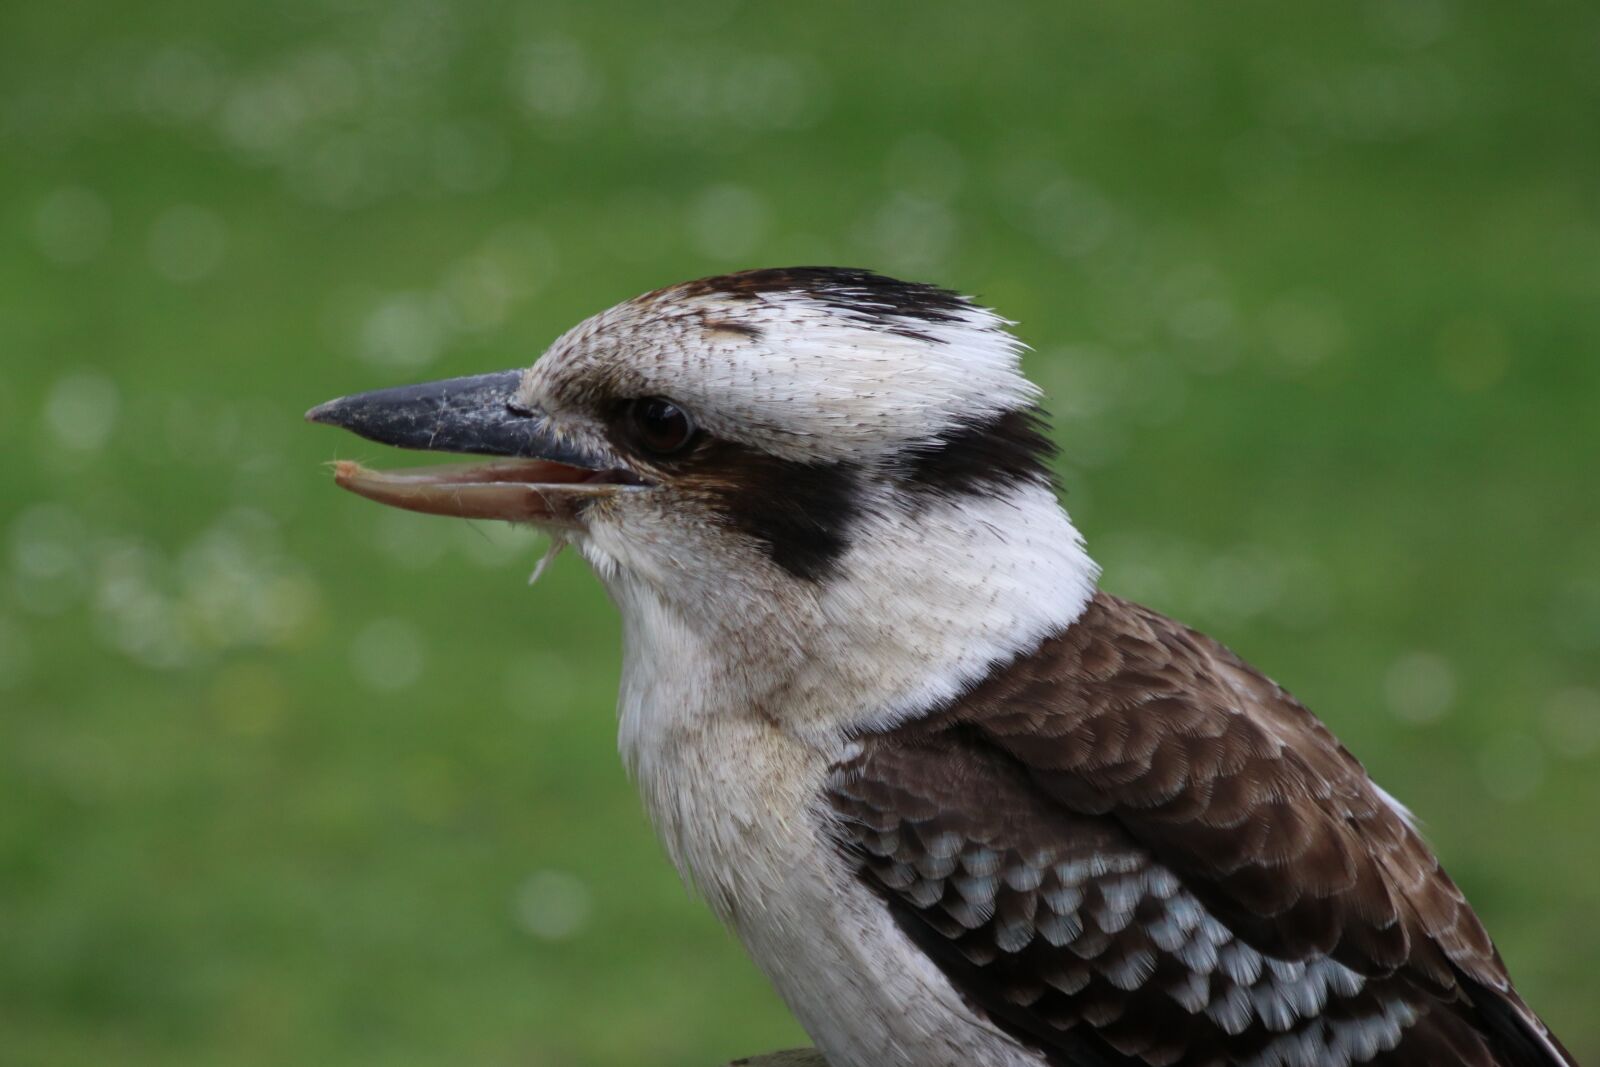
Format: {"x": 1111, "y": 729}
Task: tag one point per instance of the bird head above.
{"x": 763, "y": 462}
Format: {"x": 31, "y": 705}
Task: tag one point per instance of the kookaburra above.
{"x": 963, "y": 808}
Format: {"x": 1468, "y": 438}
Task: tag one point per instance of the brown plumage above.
{"x": 1132, "y": 847}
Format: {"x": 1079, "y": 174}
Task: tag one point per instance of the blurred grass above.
{"x": 287, "y": 778}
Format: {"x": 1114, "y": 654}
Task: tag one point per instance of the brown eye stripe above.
{"x": 993, "y": 456}
{"x": 800, "y": 513}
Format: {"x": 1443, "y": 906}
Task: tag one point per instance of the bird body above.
{"x": 739, "y": 796}
{"x": 961, "y": 807}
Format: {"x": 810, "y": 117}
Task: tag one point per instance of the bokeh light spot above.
{"x": 552, "y": 905}
{"x": 913, "y": 234}
{"x": 1301, "y": 331}
{"x": 555, "y": 79}
{"x": 180, "y": 83}
{"x": 406, "y": 331}
{"x": 387, "y": 655}
{"x": 728, "y": 221}
{"x": 414, "y": 542}
{"x": 81, "y": 409}
{"x": 1420, "y": 687}
{"x": 49, "y": 568}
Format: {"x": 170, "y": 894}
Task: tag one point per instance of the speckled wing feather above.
{"x": 1130, "y": 847}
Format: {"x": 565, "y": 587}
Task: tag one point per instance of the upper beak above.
{"x": 548, "y": 477}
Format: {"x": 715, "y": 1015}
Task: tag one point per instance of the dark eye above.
{"x": 660, "y": 426}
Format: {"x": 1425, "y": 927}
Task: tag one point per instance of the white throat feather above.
{"x": 922, "y": 605}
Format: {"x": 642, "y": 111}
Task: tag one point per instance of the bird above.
{"x": 960, "y": 805}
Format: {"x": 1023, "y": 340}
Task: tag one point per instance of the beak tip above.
{"x": 323, "y": 413}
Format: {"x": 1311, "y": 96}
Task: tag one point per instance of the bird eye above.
{"x": 660, "y": 426}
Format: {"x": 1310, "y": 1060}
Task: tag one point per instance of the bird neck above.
{"x": 934, "y": 599}
{"x": 925, "y": 603}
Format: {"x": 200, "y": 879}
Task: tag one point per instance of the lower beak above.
{"x": 543, "y": 476}
{"x": 528, "y": 491}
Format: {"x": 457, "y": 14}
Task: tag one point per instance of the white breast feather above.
{"x": 733, "y": 788}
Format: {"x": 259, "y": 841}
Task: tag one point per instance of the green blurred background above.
{"x": 289, "y": 778}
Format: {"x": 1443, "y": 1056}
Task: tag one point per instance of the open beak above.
{"x": 543, "y": 477}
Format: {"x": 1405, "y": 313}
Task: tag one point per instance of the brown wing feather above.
{"x": 1186, "y": 865}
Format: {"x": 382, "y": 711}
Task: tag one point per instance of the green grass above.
{"x": 286, "y": 778}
